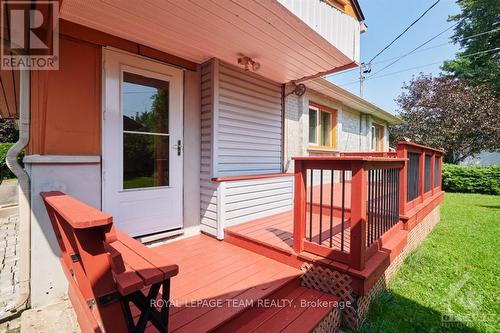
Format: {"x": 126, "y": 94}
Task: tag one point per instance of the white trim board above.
{"x": 62, "y": 159}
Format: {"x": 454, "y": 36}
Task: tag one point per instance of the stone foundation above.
{"x": 339, "y": 284}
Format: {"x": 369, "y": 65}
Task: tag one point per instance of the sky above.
{"x": 385, "y": 20}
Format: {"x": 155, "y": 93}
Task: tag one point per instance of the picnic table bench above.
{"x": 108, "y": 271}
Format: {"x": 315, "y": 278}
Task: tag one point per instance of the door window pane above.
{"x": 145, "y": 160}
{"x": 145, "y": 104}
{"x": 326, "y": 129}
{"x": 145, "y": 132}
{"x": 313, "y": 125}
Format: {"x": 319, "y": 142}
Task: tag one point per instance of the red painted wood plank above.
{"x": 163, "y": 264}
{"x": 149, "y": 273}
{"x": 258, "y": 314}
{"x": 287, "y": 314}
{"x": 268, "y": 283}
{"x": 76, "y": 213}
{"x": 312, "y": 316}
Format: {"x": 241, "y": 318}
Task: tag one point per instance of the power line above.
{"x": 405, "y": 30}
{"x": 416, "y": 67}
{"x": 417, "y": 50}
{"x": 431, "y": 39}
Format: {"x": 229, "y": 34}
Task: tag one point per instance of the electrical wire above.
{"x": 418, "y": 50}
{"x": 417, "y": 67}
{"x": 404, "y": 31}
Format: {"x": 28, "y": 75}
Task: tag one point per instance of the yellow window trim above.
{"x": 333, "y": 112}
{"x": 380, "y": 139}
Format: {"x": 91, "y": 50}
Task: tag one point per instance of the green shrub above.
{"x": 5, "y": 173}
{"x": 471, "y": 179}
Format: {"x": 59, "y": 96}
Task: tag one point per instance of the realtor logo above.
{"x": 30, "y": 35}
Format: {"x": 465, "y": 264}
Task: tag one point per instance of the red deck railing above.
{"x": 421, "y": 178}
{"x": 344, "y": 205}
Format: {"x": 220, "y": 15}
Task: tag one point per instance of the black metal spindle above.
{"x": 320, "y": 240}
{"x": 379, "y": 213}
{"x": 342, "y": 213}
{"x": 391, "y": 197}
{"x": 389, "y": 206}
{"x": 331, "y": 207}
{"x": 384, "y": 216}
{"x": 311, "y": 205}
{"x": 368, "y": 237}
{"x": 398, "y": 186}
{"x": 372, "y": 206}
{"x": 386, "y": 212}
{"x": 395, "y": 197}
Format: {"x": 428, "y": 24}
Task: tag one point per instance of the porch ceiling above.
{"x": 286, "y": 47}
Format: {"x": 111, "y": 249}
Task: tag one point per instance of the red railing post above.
{"x": 299, "y": 210}
{"x": 403, "y": 175}
{"x": 358, "y": 215}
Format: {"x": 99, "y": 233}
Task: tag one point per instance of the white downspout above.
{"x": 24, "y": 198}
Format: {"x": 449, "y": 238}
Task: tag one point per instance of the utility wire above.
{"x": 405, "y": 30}
{"x": 416, "y": 67}
{"x": 417, "y": 50}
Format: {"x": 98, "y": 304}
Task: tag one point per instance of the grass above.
{"x": 451, "y": 283}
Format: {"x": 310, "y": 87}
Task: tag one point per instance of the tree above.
{"x": 473, "y": 64}
{"x": 449, "y": 113}
{"x": 8, "y": 131}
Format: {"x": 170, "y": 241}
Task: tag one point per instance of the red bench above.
{"x": 107, "y": 270}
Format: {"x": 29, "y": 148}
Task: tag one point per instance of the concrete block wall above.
{"x": 353, "y": 132}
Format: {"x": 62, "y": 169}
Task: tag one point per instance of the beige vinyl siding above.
{"x": 335, "y": 26}
{"x": 247, "y": 200}
{"x": 248, "y": 123}
{"x": 240, "y": 135}
{"x": 208, "y": 189}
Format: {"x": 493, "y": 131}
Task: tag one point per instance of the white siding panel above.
{"x": 248, "y": 120}
{"x": 338, "y": 28}
{"x": 208, "y": 190}
{"x": 247, "y": 200}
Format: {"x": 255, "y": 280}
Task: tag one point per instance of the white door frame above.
{"x": 151, "y": 68}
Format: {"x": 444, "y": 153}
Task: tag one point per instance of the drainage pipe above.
{"x": 24, "y": 234}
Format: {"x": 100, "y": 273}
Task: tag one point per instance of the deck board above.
{"x": 216, "y": 271}
{"x": 276, "y": 231}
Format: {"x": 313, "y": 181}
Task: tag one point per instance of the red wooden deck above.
{"x": 276, "y": 231}
{"x": 218, "y": 282}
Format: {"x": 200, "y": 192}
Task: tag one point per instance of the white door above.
{"x": 142, "y": 144}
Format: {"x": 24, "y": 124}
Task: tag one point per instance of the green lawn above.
{"x": 455, "y": 273}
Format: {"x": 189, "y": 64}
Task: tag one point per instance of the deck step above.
{"x": 396, "y": 244}
{"x": 292, "y": 308}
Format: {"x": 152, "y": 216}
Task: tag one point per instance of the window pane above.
{"x": 374, "y": 138}
{"x": 145, "y": 104}
{"x": 313, "y": 124}
{"x": 145, "y": 160}
{"x": 326, "y": 129}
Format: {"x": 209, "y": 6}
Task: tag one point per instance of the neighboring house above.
{"x": 328, "y": 120}
{"x": 175, "y": 118}
{"x": 484, "y": 158}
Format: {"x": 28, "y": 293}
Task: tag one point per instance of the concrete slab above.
{"x": 8, "y": 192}
{"x": 54, "y": 318}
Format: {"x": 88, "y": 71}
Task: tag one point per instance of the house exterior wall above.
{"x": 353, "y": 128}
{"x": 208, "y": 189}
{"x": 79, "y": 176}
{"x": 64, "y": 152}
{"x": 241, "y": 136}
{"x": 336, "y": 23}
{"x": 66, "y": 104}
{"x": 248, "y": 200}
